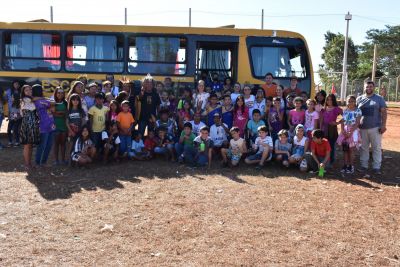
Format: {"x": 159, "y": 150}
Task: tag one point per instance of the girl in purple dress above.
{"x": 329, "y": 123}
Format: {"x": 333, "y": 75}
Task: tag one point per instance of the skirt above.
{"x": 353, "y": 141}
{"x": 30, "y": 133}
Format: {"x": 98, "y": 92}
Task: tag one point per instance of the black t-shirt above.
{"x": 149, "y": 104}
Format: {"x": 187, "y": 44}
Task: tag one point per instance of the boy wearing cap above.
{"x": 90, "y": 97}
{"x": 97, "y": 119}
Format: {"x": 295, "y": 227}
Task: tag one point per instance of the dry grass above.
{"x": 165, "y": 214}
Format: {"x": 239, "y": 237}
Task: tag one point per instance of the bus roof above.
{"x": 146, "y": 29}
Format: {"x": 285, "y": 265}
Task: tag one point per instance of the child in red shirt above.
{"x": 320, "y": 151}
{"x": 150, "y": 143}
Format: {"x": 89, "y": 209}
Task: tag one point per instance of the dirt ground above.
{"x": 162, "y": 214}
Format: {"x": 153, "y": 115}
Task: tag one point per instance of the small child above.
{"x": 150, "y": 142}
{"x": 312, "y": 118}
{"x": 300, "y": 146}
{"x": 197, "y": 124}
{"x": 237, "y": 147}
{"x": 211, "y": 109}
{"x": 167, "y": 123}
{"x": 111, "y": 142}
{"x": 263, "y": 145}
{"x": 350, "y": 137}
{"x": 203, "y": 147}
{"x": 218, "y": 133}
{"x": 97, "y": 116}
{"x": 84, "y": 150}
{"x": 185, "y": 142}
{"x": 227, "y": 111}
{"x": 138, "y": 151}
{"x": 240, "y": 114}
{"x": 296, "y": 115}
{"x": 252, "y": 125}
{"x": 165, "y": 145}
{"x": 236, "y": 92}
{"x": 276, "y": 117}
{"x": 125, "y": 122}
{"x": 114, "y": 110}
{"x": 320, "y": 151}
{"x": 283, "y": 148}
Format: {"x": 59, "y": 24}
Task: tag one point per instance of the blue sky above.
{"x": 309, "y": 17}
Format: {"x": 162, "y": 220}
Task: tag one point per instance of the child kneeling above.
{"x": 84, "y": 150}
{"x": 137, "y": 150}
{"x": 237, "y": 147}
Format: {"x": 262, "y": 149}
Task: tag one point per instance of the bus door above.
{"x": 217, "y": 54}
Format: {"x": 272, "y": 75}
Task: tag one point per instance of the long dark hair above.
{"x": 323, "y": 93}
{"x": 334, "y": 101}
{"x": 80, "y": 109}
{"x": 242, "y": 107}
{"x": 23, "y": 91}
{"x": 62, "y": 100}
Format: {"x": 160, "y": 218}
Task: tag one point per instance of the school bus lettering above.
{"x": 65, "y": 85}
{"x": 46, "y": 85}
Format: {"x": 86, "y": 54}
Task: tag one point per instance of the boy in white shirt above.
{"x": 219, "y": 132}
{"x": 197, "y": 124}
{"x": 237, "y": 147}
{"x": 263, "y": 145}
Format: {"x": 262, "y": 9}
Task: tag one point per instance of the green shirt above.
{"x": 60, "y": 121}
{"x": 188, "y": 142}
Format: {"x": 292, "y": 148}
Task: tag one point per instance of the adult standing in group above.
{"x": 269, "y": 86}
{"x": 372, "y": 126}
{"x": 45, "y": 110}
{"x": 149, "y": 104}
{"x": 292, "y": 89}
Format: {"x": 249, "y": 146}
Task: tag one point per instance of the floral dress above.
{"x": 30, "y": 133}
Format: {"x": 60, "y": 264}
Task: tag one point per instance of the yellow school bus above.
{"x": 55, "y": 54}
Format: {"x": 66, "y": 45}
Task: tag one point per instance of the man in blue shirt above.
{"x": 372, "y": 126}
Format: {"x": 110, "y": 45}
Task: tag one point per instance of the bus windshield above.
{"x": 283, "y": 58}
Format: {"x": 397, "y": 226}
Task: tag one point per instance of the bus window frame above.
{"x": 124, "y": 36}
{"x": 3, "y": 50}
{"x": 249, "y": 47}
{"x": 180, "y": 36}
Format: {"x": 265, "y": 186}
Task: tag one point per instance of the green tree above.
{"x": 388, "y": 47}
{"x": 333, "y": 58}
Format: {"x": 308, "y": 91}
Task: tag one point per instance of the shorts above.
{"x": 296, "y": 156}
{"x": 234, "y": 157}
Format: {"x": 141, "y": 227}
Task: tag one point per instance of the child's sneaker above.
{"x": 344, "y": 169}
{"x": 350, "y": 169}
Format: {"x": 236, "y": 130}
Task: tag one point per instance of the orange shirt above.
{"x": 321, "y": 149}
{"x": 269, "y": 90}
{"x": 125, "y": 119}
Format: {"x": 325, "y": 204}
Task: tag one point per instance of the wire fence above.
{"x": 388, "y": 87}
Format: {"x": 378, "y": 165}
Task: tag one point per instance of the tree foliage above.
{"x": 333, "y": 58}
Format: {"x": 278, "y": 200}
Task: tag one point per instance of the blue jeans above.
{"x": 126, "y": 143}
{"x": 44, "y": 148}
{"x": 192, "y": 157}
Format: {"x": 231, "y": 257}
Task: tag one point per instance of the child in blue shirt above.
{"x": 252, "y": 125}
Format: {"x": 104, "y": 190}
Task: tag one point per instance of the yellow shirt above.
{"x": 99, "y": 118}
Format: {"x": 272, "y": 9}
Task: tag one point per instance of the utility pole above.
{"x": 374, "y": 63}
{"x": 126, "y": 16}
{"x": 51, "y": 14}
{"x": 344, "y": 72}
{"x": 262, "y": 19}
{"x": 190, "y": 17}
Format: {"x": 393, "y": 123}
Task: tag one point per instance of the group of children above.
{"x": 101, "y": 123}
